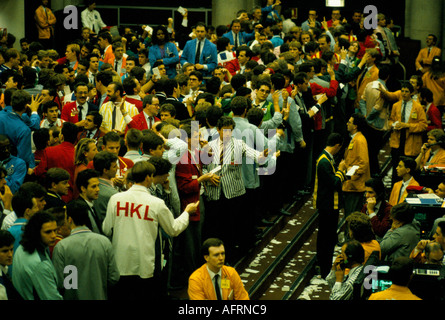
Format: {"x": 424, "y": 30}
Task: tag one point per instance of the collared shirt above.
{"x": 404, "y": 185}
{"x": 408, "y": 108}
{"x": 84, "y": 111}
{"x": 212, "y": 277}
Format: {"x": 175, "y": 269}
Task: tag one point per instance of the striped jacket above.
{"x": 231, "y": 184}
{"x": 328, "y": 183}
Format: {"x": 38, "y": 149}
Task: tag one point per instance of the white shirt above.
{"x": 133, "y": 217}
{"x": 92, "y": 20}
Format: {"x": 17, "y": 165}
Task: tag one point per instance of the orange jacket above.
{"x": 44, "y": 22}
{"x": 201, "y": 286}
{"x": 437, "y": 160}
{"x": 396, "y": 191}
{"x": 417, "y": 125}
{"x": 356, "y": 154}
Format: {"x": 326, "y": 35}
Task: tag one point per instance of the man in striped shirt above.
{"x": 225, "y": 190}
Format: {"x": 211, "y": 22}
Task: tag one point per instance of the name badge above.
{"x": 414, "y": 115}
{"x": 225, "y": 284}
{"x": 351, "y": 145}
{"x": 194, "y": 177}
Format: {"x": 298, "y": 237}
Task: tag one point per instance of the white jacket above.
{"x": 133, "y": 218}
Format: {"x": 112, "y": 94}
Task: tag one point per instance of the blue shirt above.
{"x": 12, "y": 125}
{"x": 15, "y": 172}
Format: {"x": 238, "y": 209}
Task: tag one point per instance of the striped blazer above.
{"x": 106, "y": 110}
{"x": 328, "y": 184}
{"x": 231, "y": 182}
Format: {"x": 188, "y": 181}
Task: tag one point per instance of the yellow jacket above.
{"x": 44, "y": 22}
{"x": 201, "y": 286}
{"x": 396, "y": 191}
{"x": 417, "y": 125}
{"x": 356, "y": 154}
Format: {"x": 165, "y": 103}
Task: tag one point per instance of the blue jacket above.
{"x": 243, "y": 37}
{"x": 16, "y": 172}
{"x": 12, "y": 125}
{"x": 208, "y": 58}
{"x": 169, "y": 56}
{"x": 32, "y": 122}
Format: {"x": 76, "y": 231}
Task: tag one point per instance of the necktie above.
{"x": 89, "y": 134}
{"x": 429, "y": 50}
{"x": 218, "y": 291}
{"x": 150, "y": 121}
{"x": 115, "y": 66}
{"x": 51, "y": 125}
{"x": 79, "y": 115}
{"x": 198, "y": 52}
{"x": 403, "y": 111}
{"x": 236, "y": 40}
{"x": 221, "y": 155}
{"x": 113, "y": 120}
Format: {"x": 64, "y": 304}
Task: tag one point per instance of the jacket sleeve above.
{"x": 45, "y": 283}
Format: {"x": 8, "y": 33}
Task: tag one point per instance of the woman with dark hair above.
{"x": 163, "y": 50}
{"x": 34, "y": 275}
{"x": 376, "y": 207}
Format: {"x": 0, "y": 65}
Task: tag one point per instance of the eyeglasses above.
{"x": 193, "y": 79}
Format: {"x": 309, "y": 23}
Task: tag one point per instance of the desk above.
{"x": 426, "y": 211}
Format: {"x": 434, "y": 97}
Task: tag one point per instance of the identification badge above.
{"x": 194, "y": 177}
{"x": 414, "y": 115}
{"x": 225, "y": 284}
{"x": 351, "y": 145}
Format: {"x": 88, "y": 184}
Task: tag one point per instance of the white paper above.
{"x": 156, "y": 73}
{"x": 352, "y": 171}
{"x": 149, "y": 29}
{"x": 314, "y": 109}
{"x": 413, "y": 200}
{"x": 181, "y": 10}
{"x": 376, "y": 85}
{"x": 428, "y": 196}
{"x": 215, "y": 170}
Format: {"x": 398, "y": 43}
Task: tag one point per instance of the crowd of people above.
{"x": 126, "y": 153}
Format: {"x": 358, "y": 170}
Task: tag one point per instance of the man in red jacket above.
{"x": 433, "y": 115}
{"x": 60, "y": 156}
{"x": 77, "y": 111}
{"x": 148, "y": 117}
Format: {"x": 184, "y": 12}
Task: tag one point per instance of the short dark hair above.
{"x": 211, "y": 242}
{"x": 110, "y": 136}
{"x": 19, "y": 100}
{"x": 162, "y": 166}
{"x": 334, "y": 139}
{"x": 378, "y": 186}
{"x": 255, "y": 116}
{"x": 56, "y": 175}
{"x": 360, "y": 225}
{"x": 134, "y": 137}
{"x": 84, "y": 176}
{"x": 141, "y": 170}
{"x": 225, "y": 121}
{"x": 151, "y": 141}
{"x": 69, "y": 132}
{"x": 6, "y": 238}
{"x": 41, "y": 138}
{"x": 21, "y": 201}
{"x": 401, "y": 271}
{"x": 103, "y": 160}
{"x": 355, "y": 252}
{"x": 402, "y": 212}
{"x": 97, "y": 117}
{"x": 168, "y": 107}
{"x": 78, "y": 211}
{"x": 213, "y": 114}
{"x": 409, "y": 164}
{"x": 239, "y": 105}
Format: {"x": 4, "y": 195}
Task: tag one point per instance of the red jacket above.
{"x": 434, "y": 117}
{"x": 136, "y": 102}
{"x": 61, "y": 156}
{"x": 70, "y": 113}
{"x": 139, "y": 122}
{"x": 187, "y": 174}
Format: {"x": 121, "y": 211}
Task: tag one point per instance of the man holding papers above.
{"x": 357, "y": 162}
